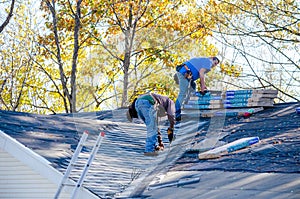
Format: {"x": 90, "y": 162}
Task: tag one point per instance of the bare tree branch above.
{"x": 10, "y": 14}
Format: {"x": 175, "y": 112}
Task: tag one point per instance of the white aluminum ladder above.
{"x": 88, "y": 164}
{"x": 74, "y": 159}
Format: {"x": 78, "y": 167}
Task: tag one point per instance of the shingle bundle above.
{"x": 236, "y": 98}
{"x": 263, "y": 98}
{"x": 232, "y": 99}
{"x": 211, "y": 100}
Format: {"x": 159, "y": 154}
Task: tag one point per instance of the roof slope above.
{"x": 278, "y": 150}
{"x": 268, "y": 169}
{"x": 121, "y": 170}
{"x": 119, "y": 161}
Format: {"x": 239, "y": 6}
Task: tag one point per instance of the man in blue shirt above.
{"x": 190, "y": 71}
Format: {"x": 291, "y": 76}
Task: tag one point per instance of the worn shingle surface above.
{"x": 120, "y": 158}
{"x": 121, "y": 170}
{"x": 278, "y": 150}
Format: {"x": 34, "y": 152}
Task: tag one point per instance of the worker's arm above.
{"x": 202, "y": 79}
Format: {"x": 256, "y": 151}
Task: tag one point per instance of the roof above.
{"x": 120, "y": 170}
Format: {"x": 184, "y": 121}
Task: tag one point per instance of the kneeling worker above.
{"x": 149, "y": 107}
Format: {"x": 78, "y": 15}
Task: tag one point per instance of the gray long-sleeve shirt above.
{"x": 168, "y": 105}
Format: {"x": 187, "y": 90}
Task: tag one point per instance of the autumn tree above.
{"x": 155, "y": 36}
{"x": 63, "y": 44}
{"x": 88, "y": 52}
{"x": 19, "y": 80}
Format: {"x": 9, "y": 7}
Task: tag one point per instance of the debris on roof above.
{"x": 276, "y": 127}
{"x": 227, "y": 148}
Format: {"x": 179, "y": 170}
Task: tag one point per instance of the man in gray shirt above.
{"x": 149, "y": 107}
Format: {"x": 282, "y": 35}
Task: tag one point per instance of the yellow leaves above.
{"x": 230, "y": 69}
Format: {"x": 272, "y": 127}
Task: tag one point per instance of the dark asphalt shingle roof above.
{"x": 278, "y": 150}
{"x": 120, "y": 165}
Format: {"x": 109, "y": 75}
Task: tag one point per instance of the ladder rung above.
{"x": 77, "y": 164}
{"x": 70, "y": 185}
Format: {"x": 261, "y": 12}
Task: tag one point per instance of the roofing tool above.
{"x": 248, "y": 113}
{"x": 171, "y": 135}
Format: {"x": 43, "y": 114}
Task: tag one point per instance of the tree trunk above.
{"x": 129, "y": 35}
{"x": 75, "y": 57}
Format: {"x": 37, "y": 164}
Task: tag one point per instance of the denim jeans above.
{"x": 184, "y": 89}
{"x": 148, "y": 114}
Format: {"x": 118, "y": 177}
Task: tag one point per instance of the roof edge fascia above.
{"x": 36, "y": 162}
{"x": 29, "y": 157}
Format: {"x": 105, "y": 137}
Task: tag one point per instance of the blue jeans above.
{"x": 184, "y": 89}
{"x": 148, "y": 114}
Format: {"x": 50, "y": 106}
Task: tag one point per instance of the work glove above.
{"x": 171, "y": 135}
{"x": 204, "y": 92}
{"x": 188, "y": 74}
{"x": 159, "y": 140}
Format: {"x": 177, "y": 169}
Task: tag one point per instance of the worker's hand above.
{"x": 204, "y": 92}
{"x": 159, "y": 140}
{"x": 171, "y": 135}
{"x": 188, "y": 74}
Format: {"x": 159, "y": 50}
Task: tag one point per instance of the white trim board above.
{"x": 37, "y": 163}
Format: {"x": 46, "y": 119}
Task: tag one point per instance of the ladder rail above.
{"x": 88, "y": 164}
{"x": 71, "y": 164}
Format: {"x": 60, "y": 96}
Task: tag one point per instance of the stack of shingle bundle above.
{"x": 211, "y": 100}
{"x": 249, "y": 98}
{"x": 263, "y": 98}
{"x": 231, "y": 99}
{"x": 236, "y": 98}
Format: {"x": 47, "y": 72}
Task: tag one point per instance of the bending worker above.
{"x": 188, "y": 73}
{"x": 149, "y": 107}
